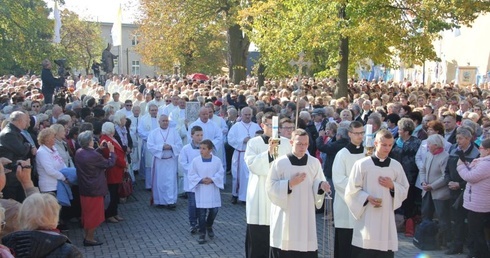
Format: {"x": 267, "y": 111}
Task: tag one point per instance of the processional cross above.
{"x": 301, "y": 62}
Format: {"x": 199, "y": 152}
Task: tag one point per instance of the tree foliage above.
{"x": 200, "y": 35}
{"x": 81, "y": 41}
{"x": 342, "y": 34}
{"x": 25, "y": 35}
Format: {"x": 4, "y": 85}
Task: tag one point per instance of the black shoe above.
{"x": 210, "y": 232}
{"x": 454, "y": 251}
{"x": 136, "y": 172}
{"x": 91, "y": 243}
{"x": 202, "y": 239}
{"x": 183, "y": 195}
{"x": 234, "y": 199}
{"x": 193, "y": 230}
{"x": 171, "y": 206}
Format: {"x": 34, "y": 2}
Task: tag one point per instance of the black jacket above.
{"x": 313, "y": 134}
{"x": 12, "y": 144}
{"x": 33, "y": 244}
{"x": 331, "y": 150}
{"x": 49, "y": 81}
{"x": 451, "y": 173}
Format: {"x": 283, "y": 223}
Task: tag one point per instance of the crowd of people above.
{"x": 430, "y": 146}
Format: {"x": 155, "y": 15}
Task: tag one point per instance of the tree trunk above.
{"x": 342, "y": 86}
{"x": 237, "y": 53}
{"x": 260, "y": 74}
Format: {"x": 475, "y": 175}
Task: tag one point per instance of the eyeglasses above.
{"x": 129, "y": 105}
{"x": 357, "y": 133}
{"x": 168, "y": 100}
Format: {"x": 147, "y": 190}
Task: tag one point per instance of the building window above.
{"x": 135, "y": 67}
{"x": 134, "y": 41}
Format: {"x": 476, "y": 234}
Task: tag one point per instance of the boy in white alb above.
{"x": 206, "y": 178}
{"x": 187, "y": 154}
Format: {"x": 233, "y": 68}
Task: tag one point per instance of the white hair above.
{"x": 108, "y": 128}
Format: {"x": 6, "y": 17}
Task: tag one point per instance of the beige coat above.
{"x": 433, "y": 173}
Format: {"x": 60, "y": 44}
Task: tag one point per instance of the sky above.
{"x": 101, "y": 10}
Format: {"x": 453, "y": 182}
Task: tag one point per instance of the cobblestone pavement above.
{"x": 155, "y": 232}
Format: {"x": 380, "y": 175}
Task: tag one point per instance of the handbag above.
{"x": 126, "y": 187}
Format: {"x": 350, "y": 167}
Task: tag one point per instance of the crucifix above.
{"x": 301, "y": 62}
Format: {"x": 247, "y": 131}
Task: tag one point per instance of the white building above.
{"x": 129, "y": 61}
{"x": 464, "y": 55}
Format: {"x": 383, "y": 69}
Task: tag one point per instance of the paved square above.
{"x": 155, "y": 232}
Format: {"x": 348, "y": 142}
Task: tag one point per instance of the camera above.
{"x": 104, "y": 144}
{"x": 62, "y": 68}
{"x": 11, "y": 166}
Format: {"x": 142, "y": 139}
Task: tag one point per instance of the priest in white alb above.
{"x": 377, "y": 186}
{"x": 210, "y": 130}
{"x": 164, "y": 144}
{"x": 148, "y": 123}
{"x": 295, "y": 185}
{"x": 238, "y": 136}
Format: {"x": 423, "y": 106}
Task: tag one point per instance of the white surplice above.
{"x": 374, "y": 227}
{"x": 207, "y": 196}
{"x": 145, "y": 125}
{"x": 256, "y": 157}
{"x": 341, "y": 170}
{"x": 293, "y": 220}
{"x": 186, "y": 156}
{"x": 239, "y": 170}
{"x": 164, "y": 166}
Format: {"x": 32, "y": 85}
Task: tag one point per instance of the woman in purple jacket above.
{"x": 91, "y": 166}
{"x": 476, "y": 198}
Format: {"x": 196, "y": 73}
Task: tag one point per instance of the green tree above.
{"x": 340, "y": 35}
{"x": 81, "y": 41}
{"x": 201, "y": 35}
{"x": 25, "y": 35}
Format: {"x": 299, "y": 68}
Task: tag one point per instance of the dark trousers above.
{"x": 257, "y": 241}
{"x": 458, "y": 226}
{"x": 441, "y": 208}
{"x": 111, "y": 210}
{"x": 411, "y": 206}
{"x": 206, "y": 222}
{"x": 476, "y": 228}
{"x": 358, "y": 252}
{"x": 191, "y": 208}
{"x": 343, "y": 243}
{"x": 278, "y": 253}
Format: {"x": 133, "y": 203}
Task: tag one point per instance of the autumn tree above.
{"x": 201, "y": 35}
{"x": 81, "y": 41}
{"x": 340, "y": 35}
{"x": 25, "y": 35}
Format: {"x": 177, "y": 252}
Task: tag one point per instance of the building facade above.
{"x": 129, "y": 61}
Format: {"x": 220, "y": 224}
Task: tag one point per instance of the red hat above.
{"x": 218, "y": 103}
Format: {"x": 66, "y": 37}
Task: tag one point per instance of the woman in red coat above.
{"x": 115, "y": 173}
